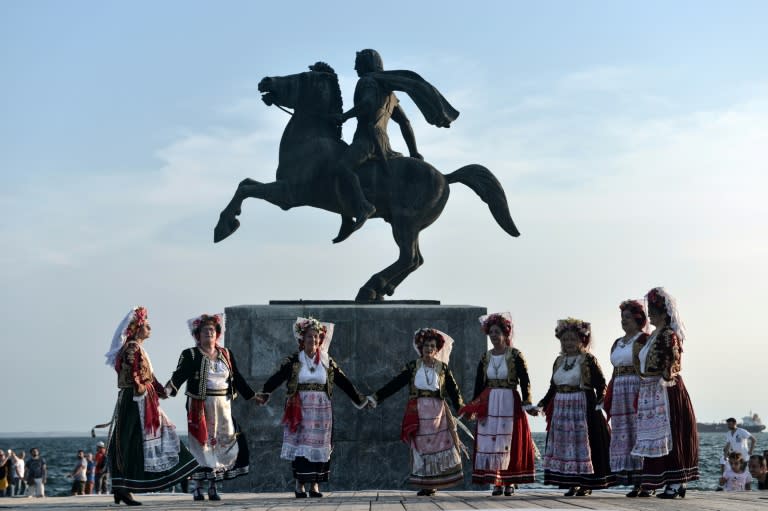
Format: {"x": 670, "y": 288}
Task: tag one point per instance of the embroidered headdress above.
{"x": 582, "y": 328}
{"x": 502, "y": 319}
{"x": 127, "y": 328}
{"x": 325, "y": 330}
{"x": 659, "y": 298}
{"x": 443, "y": 341}
{"x": 638, "y": 313}
{"x": 196, "y": 323}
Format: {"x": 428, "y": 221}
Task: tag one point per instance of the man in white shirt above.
{"x": 738, "y": 440}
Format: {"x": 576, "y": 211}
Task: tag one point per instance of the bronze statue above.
{"x": 406, "y": 192}
{"x": 375, "y": 104}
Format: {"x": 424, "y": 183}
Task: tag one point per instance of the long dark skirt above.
{"x": 126, "y": 452}
{"x": 305, "y": 471}
{"x": 682, "y": 463}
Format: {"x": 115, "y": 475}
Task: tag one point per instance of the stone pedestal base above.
{"x": 371, "y": 343}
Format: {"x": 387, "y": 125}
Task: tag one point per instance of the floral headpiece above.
{"x": 443, "y": 341}
{"x": 637, "y": 310}
{"x": 127, "y": 328}
{"x": 139, "y": 319}
{"x": 502, "y": 319}
{"x": 195, "y": 323}
{"x": 583, "y": 328}
{"x": 325, "y": 330}
{"x": 303, "y": 324}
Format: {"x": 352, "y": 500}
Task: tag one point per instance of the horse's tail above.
{"x": 488, "y": 188}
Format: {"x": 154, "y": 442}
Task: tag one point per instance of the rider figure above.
{"x": 374, "y": 105}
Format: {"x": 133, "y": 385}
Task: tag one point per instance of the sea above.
{"x": 60, "y": 453}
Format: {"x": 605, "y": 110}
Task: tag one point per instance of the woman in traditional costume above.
{"x": 504, "y": 451}
{"x": 576, "y": 454}
{"x": 621, "y": 398}
{"x": 144, "y": 451}
{"x": 666, "y": 424}
{"x": 308, "y": 418}
{"x": 213, "y": 381}
{"x": 428, "y": 427}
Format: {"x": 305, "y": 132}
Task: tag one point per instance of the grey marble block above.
{"x": 371, "y": 343}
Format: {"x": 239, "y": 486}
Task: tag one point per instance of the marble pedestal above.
{"x": 371, "y": 343}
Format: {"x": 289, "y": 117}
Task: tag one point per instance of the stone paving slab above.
{"x": 376, "y": 500}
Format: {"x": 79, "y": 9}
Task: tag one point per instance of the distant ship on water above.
{"x": 751, "y": 423}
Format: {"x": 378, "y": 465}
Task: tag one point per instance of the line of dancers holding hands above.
{"x": 651, "y": 444}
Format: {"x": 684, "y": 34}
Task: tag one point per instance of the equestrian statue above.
{"x": 364, "y": 179}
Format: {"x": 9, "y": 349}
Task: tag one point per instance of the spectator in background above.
{"x": 101, "y": 469}
{"x": 20, "y": 483}
{"x": 735, "y": 477}
{"x": 759, "y": 471}
{"x": 90, "y": 473}
{"x": 4, "y": 472}
{"x": 36, "y": 473}
{"x": 738, "y": 440}
{"x": 78, "y": 474}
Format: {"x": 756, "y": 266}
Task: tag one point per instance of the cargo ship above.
{"x": 751, "y": 423}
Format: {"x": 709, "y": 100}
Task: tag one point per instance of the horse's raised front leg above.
{"x": 276, "y": 192}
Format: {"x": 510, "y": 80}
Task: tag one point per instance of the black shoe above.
{"x": 124, "y": 496}
{"x": 213, "y": 494}
{"x": 197, "y": 495}
{"x": 634, "y": 493}
{"x": 426, "y": 492}
{"x": 315, "y": 494}
{"x": 509, "y": 491}
{"x": 496, "y": 491}
{"x": 571, "y": 492}
{"x": 301, "y": 494}
{"x": 646, "y": 493}
{"x": 670, "y": 493}
{"x": 681, "y": 492}
{"x": 582, "y": 492}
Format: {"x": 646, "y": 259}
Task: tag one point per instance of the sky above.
{"x": 631, "y": 140}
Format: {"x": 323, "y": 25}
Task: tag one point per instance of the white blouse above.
{"x": 310, "y": 372}
{"x": 497, "y": 367}
{"x": 426, "y": 378}
{"x": 218, "y": 373}
{"x": 622, "y": 354}
{"x": 570, "y": 376}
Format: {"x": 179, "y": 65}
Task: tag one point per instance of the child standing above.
{"x": 735, "y": 477}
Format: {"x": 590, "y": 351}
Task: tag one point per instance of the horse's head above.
{"x": 315, "y": 91}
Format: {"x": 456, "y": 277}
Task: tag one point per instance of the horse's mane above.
{"x": 336, "y": 101}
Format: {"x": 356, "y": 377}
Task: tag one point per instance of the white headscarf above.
{"x": 121, "y": 334}
{"x": 670, "y": 303}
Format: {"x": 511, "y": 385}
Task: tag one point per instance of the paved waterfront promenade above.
{"x": 408, "y": 501}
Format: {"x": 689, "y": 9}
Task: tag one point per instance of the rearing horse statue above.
{"x": 408, "y": 193}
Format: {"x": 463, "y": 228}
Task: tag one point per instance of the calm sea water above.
{"x": 60, "y": 454}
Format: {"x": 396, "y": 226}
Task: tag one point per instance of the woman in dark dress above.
{"x": 429, "y": 427}
{"x": 667, "y": 438}
{"x": 212, "y": 383}
{"x": 576, "y": 455}
{"x": 144, "y": 451}
{"x": 310, "y": 374}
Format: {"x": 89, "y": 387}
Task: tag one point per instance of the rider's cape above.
{"x": 436, "y": 109}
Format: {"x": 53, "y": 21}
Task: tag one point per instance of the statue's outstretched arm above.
{"x": 398, "y": 115}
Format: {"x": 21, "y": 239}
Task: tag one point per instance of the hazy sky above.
{"x": 631, "y": 139}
